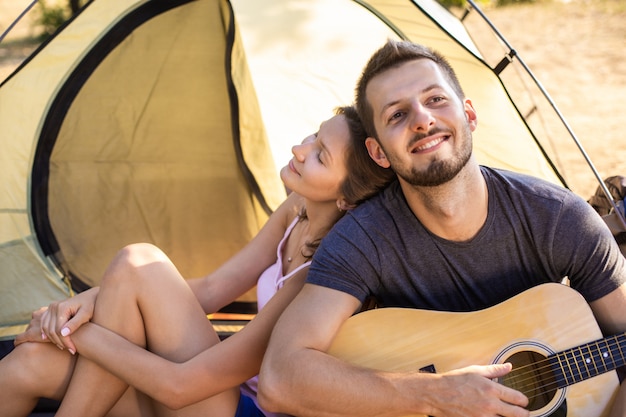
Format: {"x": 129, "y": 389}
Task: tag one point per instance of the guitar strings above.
{"x": 527, "y": 378}
{"x": 524, "y": 378}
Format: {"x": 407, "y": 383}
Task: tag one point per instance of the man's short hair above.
{"x": 391, "y": 55}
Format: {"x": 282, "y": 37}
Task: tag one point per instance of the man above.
{"x": 448, "y": 235}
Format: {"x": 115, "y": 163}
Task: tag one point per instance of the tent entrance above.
{"x": 110, "y": 169}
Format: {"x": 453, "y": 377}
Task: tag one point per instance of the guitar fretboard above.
{"x": 589, "y": 360}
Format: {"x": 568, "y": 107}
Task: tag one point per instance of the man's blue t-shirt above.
{"x": 535, "y": 232}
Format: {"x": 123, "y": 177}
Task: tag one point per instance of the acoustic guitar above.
{"x": 560, "y": 360}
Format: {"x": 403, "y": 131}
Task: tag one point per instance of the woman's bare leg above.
{"x": 35, "y": 370}
{"x": 32, "y": 370}
{"x": 145, "y": 299}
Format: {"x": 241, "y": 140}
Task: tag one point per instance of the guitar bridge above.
{"x": 428, "y": 369}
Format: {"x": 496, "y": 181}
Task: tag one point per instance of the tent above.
{"x": 166, "y": 121}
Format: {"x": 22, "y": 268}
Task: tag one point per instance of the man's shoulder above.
{"x": 377, "y": 212}
{"x": 524, "y": 184}
{"x": 383, "y": 203}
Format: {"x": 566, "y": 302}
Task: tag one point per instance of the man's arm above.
{"x": 610, "y": 312}
{"x": 298, "y": 377}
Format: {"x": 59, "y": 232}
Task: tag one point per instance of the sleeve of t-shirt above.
{"x": 346, "y": 260}
{"x": 589, "y": 254}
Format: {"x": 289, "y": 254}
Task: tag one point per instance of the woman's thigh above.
{"x": 146, "y": 299}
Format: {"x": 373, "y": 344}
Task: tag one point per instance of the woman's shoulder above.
{"x": 290, "y": 208}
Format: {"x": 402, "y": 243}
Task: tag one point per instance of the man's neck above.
{"x": 455, "y": 210}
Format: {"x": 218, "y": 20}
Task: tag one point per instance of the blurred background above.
{"x": 575, "y": 48}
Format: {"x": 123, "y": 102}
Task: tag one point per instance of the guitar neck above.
{"x": 586, "y": 361}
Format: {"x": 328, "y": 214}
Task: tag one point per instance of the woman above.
{"x": 169, "y": 354}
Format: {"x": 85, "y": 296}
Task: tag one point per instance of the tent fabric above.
{"x": 337, "y": 48}
{"x": 130, "y": 138}
{"x": 167, "y": 121}
{"x": 175, "y": 168}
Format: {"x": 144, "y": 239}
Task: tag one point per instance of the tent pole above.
{"x": 12, "y": 25}
{"x": 512, "y": 54}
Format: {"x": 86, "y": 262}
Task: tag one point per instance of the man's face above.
{"x": 423, "y": 127}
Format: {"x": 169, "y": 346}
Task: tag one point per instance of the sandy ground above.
{"x": 575, "y": 49}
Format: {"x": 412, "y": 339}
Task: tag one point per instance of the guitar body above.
{"x": 547, "y": 319}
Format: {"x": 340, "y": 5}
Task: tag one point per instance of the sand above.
{"x": 576, "y": 50}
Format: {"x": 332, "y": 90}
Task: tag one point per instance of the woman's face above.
{"x": 318, "y": 166}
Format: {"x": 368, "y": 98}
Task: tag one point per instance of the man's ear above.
{"x": 376, "y": 152}
{"x": 472, "y": 117}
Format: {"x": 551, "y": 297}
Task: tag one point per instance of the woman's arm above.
{"x": 241, "y": 272}
{"x": 176, "y": 385}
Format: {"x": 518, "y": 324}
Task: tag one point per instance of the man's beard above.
{"x": 439, "y": 171}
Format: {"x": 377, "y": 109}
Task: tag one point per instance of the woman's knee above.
{"x": 140, "y": 254}
{"x": 132, "y": 261}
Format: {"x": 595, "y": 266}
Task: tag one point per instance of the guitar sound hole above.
{"x": 532, "y": 376}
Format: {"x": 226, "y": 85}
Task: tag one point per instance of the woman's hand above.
{"x": 33, "y": 331}
{"x": 56, "y": 322}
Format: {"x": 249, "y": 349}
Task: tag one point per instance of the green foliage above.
{"x": 448, "y": 4}
{"x": 507, "y": 2}
{"x": 51, "y": 17}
